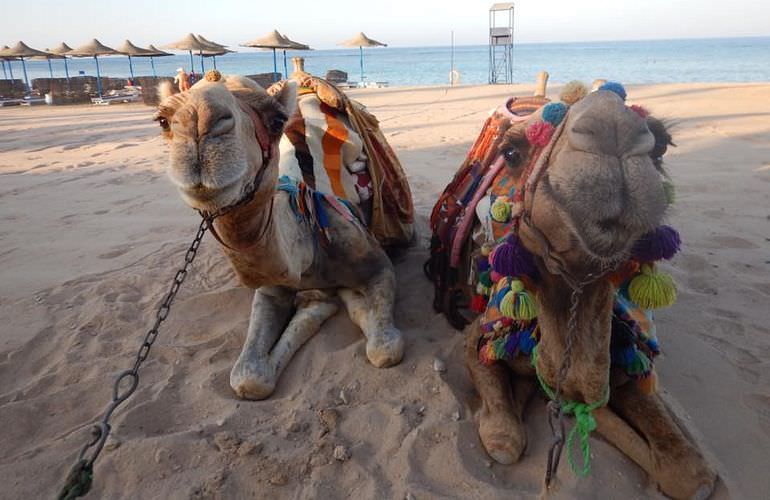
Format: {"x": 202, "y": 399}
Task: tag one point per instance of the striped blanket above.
{"x": 320, "y": 148}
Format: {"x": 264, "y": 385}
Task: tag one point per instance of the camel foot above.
{"x": 385, "y": 349}
{"x": 251, "y": 384}
{"x": 502, "y": 435}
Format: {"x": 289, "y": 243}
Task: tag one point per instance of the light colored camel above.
{"x": 601, "y": 191}
{"x": 223, "y": 137}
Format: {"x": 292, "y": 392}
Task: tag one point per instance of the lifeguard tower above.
{"x": 501, "y": 43}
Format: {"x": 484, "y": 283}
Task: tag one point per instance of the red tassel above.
{"x": 478, "y": 304}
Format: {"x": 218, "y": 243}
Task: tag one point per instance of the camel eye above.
{"x": 512, "y": 156}
{"x": 163, "y": 122}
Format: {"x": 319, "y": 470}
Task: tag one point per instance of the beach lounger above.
{"x": 130, "y": 94}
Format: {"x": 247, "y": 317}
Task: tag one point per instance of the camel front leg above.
{"x": 253, "y": 375}
{"x": 500, "y": 421}
{"x": 673, "y": 461}
{"x": 371, "y": 308}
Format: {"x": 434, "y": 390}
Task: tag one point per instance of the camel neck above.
{"x": 588, "y": 376}
{"x": 248, "y": 226}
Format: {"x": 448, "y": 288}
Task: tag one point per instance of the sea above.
{"x": 651, "y": 61}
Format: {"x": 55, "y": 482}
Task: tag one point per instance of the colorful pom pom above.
{"x": 651, "y": 289}
{"x": 518, "y": 303}
{"x": 649, "y": 383}
{"x": 485, "y": 278}
{"x": 663, "y": 242}
{"x": 554, "y": 113}
{"x": 500, "y": 210}
{"x": 512, "y": 259}
{"x": 478, "y": 304}
{"x": 486, "y": 249}
{"x": 639, "y": 110}
{"x": 540, "y": 133}
{"x": 616, "y": 88}
{"x": 495, "y": 276}
{"x": 573, "y": 92}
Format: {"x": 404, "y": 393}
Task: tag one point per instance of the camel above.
{"x": 585, "y": 184}
{"x": 224, "y": 135}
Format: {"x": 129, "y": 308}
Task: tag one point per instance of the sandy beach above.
{"x": 91, "y": 233}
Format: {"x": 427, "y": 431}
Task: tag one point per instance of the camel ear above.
{"x": 287, "y": 97}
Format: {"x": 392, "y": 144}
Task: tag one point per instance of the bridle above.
{"x": 263, "y": 139}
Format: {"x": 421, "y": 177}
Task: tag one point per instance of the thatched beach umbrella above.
{"x": 294, "y": 46}
{"x": 132, "y": 50}
{"x": 271, "y": 41}
{"x": 156, "y": 53}
{"x": 361, "y": 41}
{"x": 192, "y": 43}
{"x": 20, "y": 51}
{"x": 47, "y": 57}
{"x": 8, "y": 59}
{"x": 61, "y": 50}
{"x": 94, "y": 49}
{"x": 214, "y": 53}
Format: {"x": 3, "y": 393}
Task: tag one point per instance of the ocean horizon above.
{"x": 643, "y": 61}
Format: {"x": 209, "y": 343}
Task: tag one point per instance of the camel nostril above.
{"x": 222, "y": 125}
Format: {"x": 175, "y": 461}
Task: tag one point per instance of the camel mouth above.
{"x": 202, "y": 197}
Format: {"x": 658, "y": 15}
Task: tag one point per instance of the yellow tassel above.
{"x": 651, "y": 289}
{"x": 518, "y": 303}
{"x": 486, "y": 249}
{"x": 501, "y": 210}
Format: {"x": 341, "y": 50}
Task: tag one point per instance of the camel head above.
{"x": 601, "y": 186}
{"x": 222, "y": 134}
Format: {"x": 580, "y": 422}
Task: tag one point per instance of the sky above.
{"x": 400, "y": 23}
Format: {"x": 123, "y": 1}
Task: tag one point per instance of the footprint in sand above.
{"x": 116, "y": 252}
{"x": 124, "y": 145}
{"x": 735, "y": 242}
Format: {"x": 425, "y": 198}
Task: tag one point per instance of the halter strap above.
{"x": 260, "y": 132}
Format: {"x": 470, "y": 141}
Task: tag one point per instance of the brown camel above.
{"x": 588, "y": 189}
{"x": 223, "y": 136}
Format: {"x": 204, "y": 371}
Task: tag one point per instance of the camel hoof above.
{"x": 386, "y": 349}
{"x": 502, "y": 436}
{"x": 251, "y": 386}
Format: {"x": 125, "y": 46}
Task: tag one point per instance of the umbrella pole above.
{"x": 192, "y": 63}
{"x": 152, "y": 63}
{"x": 24, "y": 67}
{"x": 131, "y": 67}
{"x": 214, "y": 60}
{"x": 98, "y": 78}
{"x": 66, "y": 70}
{"x": 275, "y": 66}
{"x": 5, "y": 72}
{"x": 203, "y": 70}
{"x": 285, "y": 67}
{"x": 361, "y": 50}
{"x": 10, "y": 69}
{"x": 50, "y": 69}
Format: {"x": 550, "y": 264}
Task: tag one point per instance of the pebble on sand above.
{"x": 341, "y": 453}
{"x": 439, "y": 365}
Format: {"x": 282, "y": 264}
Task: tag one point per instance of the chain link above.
{"x": 555, "y": 406}
{"x": 80, "y": 477}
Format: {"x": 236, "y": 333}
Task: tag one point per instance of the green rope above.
{"x": 584, "y": 422}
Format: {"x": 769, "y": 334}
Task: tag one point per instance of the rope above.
{"x": 584, "y": 422}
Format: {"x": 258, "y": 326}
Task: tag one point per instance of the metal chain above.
{"x": 80, "y": 477}
{"x": 555, "y": 413}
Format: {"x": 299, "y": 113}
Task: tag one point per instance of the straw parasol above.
{"x": 361, "y": 41}
{"x": 192, "y": 43}
{"x": 61, "y": 50}
{"x": 94, "y": 49}
{"x": 3, "y": 59}
{"x": 294, "y": 46}
{"x": 132, "y": 50}
{"x": 273, "y": 41}
{"x": 20, "y": 51}
{"x": 47, "y": 57}
{"x": 156, "y": 53}
{"x": 214, "y": 53}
